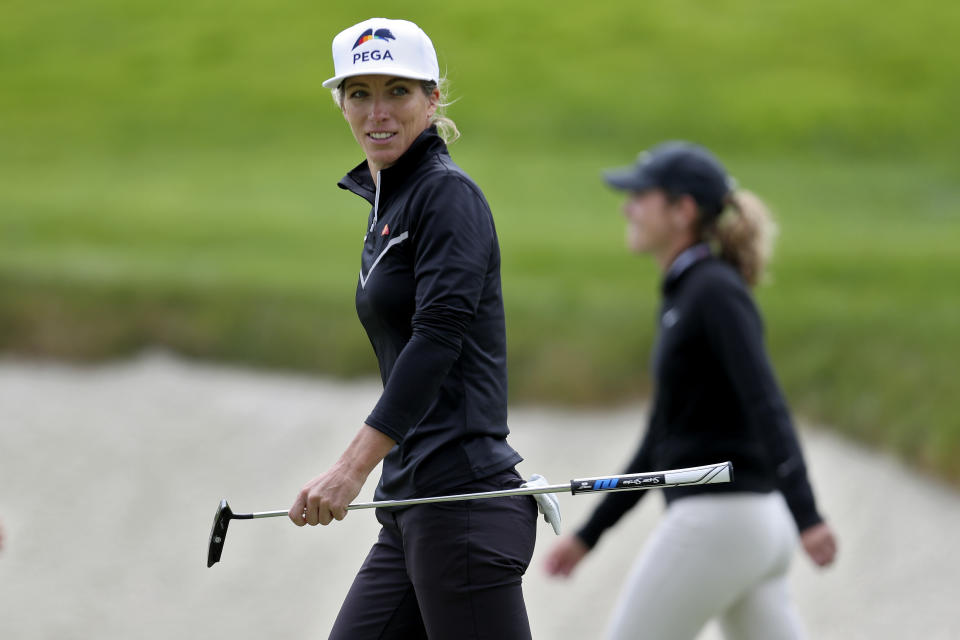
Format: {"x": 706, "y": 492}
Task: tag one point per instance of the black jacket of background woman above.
{"x": 715, "y": 397}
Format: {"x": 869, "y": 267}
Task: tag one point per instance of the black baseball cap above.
{"x": 679, "y": 168}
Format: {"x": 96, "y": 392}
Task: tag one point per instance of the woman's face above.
{"x": 650, "y": 225}
{"x": 386, "y": 114}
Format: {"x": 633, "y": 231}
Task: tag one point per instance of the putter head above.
{"x": 221, "y": 520}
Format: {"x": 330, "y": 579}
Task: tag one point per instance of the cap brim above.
{"x": 335, "y": 81}
{"x": 628, "y": 179}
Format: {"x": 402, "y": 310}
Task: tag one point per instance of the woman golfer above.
{"x": 721, "y": 550}
{"x": 429, "y": 297}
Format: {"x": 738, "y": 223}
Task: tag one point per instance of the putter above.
{"x": 706, "y": 474}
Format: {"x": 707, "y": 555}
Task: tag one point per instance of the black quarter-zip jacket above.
{"x": 430, "y": 300}
{"x": 715, "y": 397}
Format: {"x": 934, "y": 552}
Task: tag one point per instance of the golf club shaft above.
{"x": 706, "y": 474}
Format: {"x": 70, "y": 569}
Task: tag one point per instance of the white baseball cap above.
{"x": 384, "y": 47}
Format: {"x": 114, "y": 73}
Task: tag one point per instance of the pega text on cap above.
{"x": 367, "y": 56}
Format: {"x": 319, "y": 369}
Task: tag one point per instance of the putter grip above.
{"x": 617, "y": 483}
{"x": 706, "y": 474}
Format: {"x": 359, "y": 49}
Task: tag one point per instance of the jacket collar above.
{"x": 360, "y": 182}
{"x": 682, "y": 263}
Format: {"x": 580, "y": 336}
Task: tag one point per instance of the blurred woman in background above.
{"x": 430, "y": 299}
{"x": 721, "y": 550}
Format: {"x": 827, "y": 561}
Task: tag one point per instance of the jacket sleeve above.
{"x": 452, "y": 238}
{"x": 614, "y": 505}
{"x": 735, "y": 332}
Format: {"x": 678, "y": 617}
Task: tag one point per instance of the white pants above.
{"x": 721, "y": 556}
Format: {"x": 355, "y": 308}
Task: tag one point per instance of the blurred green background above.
{"x": 167, "y": 175}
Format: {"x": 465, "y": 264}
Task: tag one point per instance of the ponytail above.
{"x": 446, "y": 127}
{"x": 744, "y": 235}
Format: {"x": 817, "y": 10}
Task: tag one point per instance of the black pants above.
{"x": 446, "y": 571}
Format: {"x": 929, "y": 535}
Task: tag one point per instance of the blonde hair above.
{"x": 446, "y": 127}
{"x": 743, "y": 235}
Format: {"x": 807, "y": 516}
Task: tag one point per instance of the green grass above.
{"x": 167, "y": 177}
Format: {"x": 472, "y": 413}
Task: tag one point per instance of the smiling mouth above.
{"x": 380, "y": 135}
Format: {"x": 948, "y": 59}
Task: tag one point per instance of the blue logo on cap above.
{"x": 370, "y": 34}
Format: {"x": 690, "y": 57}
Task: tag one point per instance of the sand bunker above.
{"x": 110, "y": 475}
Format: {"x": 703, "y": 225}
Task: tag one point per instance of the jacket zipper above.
{"x": 376, "y": 204}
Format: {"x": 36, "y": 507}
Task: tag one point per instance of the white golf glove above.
{"x": 547, "y": 502}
